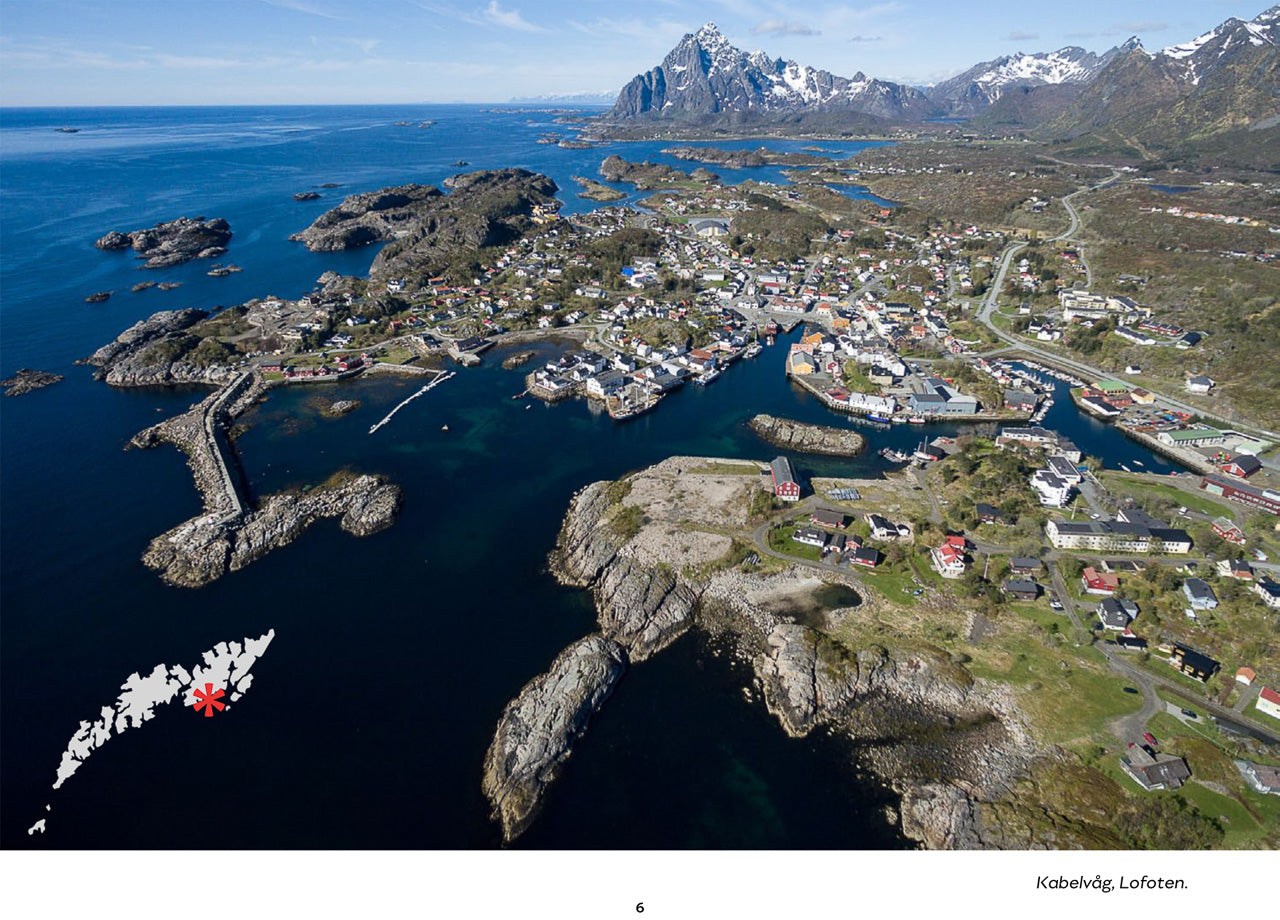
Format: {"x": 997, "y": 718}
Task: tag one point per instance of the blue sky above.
{"x": 157, "y": 52}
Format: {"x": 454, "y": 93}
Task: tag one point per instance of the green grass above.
{"x": 726, "y": 469}
{"x": 896, "y": 586}
{"x": 1130, "y": 485}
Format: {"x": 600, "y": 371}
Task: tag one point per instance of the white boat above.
{"x": 1125, "y": 468}
{"x": 444, "y": 427}
{"x": 707, "y": 378}
{"x": 916, "y": 420}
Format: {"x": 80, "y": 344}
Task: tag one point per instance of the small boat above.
{"x": 1138, "y": 463}
{"x": 1125, "y": 468}
{"x": 916, "y": 420}
{"x": 708, "y": 378}
{"x": 880, "y": 418}
{"x": 444, "y": 427}
{"x": 527, "y": 407}
{"x": 753, "y": 350}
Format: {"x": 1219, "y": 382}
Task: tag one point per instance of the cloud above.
{"x": 1018, "y": 35}
{"x": 509, "y": 19}
{"x": 866, "y": 38}
{"x": 298, "y": 6}
{"x": 784, "y": 27}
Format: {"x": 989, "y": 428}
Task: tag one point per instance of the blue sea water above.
{"x": 394, "y": 655}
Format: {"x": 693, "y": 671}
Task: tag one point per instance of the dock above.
{"x": 441, "y": 377}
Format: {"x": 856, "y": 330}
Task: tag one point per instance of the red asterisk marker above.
{"x": 207, "y": 699}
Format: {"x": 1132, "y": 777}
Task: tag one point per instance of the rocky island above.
{"x": 597, "y": 191}
{"x": 25, "y": 380}
{"x": 165, "y": 348}
{"x": 742, "y": 159}
{"x": 173, "y": 242}
{"x": 306, "y": 196}
{"x": 652, "y": 176}
{"x": 658, "y": 565}
{"x": 806, "y": 438}
{"x": 424, "y": 228}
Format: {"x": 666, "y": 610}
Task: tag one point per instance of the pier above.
{"x": 441, "y": 377}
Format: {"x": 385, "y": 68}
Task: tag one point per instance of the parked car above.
{"x": 1130, "y": 689}
{"x": 1189, "y": 714}
{"x": 1149, "y": 738}
{"x": 1055, "y": 604}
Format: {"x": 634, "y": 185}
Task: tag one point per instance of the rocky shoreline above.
{"x": 25, "y": 380}
{"x": 172, "y": 242}
{"x": 808, "y": 439}
{"x": 945, "y": 742}
{"x": 157, "y": 351}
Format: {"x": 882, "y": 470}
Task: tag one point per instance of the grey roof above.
{"x": 781, "y": 468}
{"x": 1024, "y": 562}
{"x": 1020, "y": 586}
{"x": 1112, "y": 614}
{"x": 1198, "y": 588}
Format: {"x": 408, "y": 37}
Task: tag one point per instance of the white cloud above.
{"x": 784, "y": 27}
{"x": 298, "y": 6}
{"x": 509, "y": 19}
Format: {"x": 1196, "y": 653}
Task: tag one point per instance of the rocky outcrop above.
{"x": 161, "y": 350}
{"x": 518, "y": 359}
{"x": 173, "y": 242}
{"x": 427, "y": 230}
{"x": 25, "y": 380}
{"x": 947, "y": 743}
{"x": 340, "y": 407}
{"x": 597, "y": 191}
{"x": 743, "y": 159}
{"x": 646, "y": 176}
{"x": 204, "y": 548}
{"x": 808, "y": 439}
{"x": 538, "y": 728}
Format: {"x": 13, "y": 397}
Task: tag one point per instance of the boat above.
{"x": 916, "y": 420}
{"x": 444, "y": 427}
{"x": 753, "y": 350}
{"x": 1125, "y": 468}
{"x": 1138, "y": 463}
{"x": 883, "y": 419}
{"x": 67, "y": 130}
{"x": 708, "y": 378}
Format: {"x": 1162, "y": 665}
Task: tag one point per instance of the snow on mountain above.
{"x": 1204, "y": 51}
{"x": 981, "y": 85}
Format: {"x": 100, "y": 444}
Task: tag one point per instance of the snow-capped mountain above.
{"x": 706, "y": 76}
{"x": 1208, "y": 50}
{"x": 981, "y": 85}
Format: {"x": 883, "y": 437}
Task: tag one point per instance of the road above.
{"x": 1079, "y": 367}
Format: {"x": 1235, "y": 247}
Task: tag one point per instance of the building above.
{"x": 1193, "y": 663}
{"x": 785, "y": 484}
{"x": 1155, "y": 771}
{"x": 1020, "y": 400}
{"x": 1021, "y": 588}
{"x": 948, "y": 560}
{"x": 1242, "y": 465}
{"x": 1051, "y": 489}
{"x": 1269, "y": 591}
{"x": 1245, "y": 675}
{"x": 1263, "y": 778}
{"x": 810, "y": 536}
{"x": 865, "y": 556}
{"x": 989, "y": 514}
{"x": 1269, "y": 702}
{"x": 1096, "y": 582}
{"x": 1038, "y": 439}
{"x": 1024, "y": 565}
{"x": 1199, "y": 384}
{"x": 1192, "y": 437}
{"x": 882, "y": 528}
{"x": 1065, "y": 470}
{"x": 1226, "y": 529}
{"x": 830, "y": 519}
{"x": 1117, "y": 536}
{"x": 1199, "y": 595}
{"x": 1267, "y": 500}
{"x": 1236, "y": 568}
{"x": 1116, "y": 614}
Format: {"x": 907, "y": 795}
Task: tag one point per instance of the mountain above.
{"x": 705, "y": 78}
{"x": 1225, "y": 80}
{"x": 983, "y": 84}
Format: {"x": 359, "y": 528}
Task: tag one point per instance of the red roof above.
{"x": 1270, "y": 695}
{"x": 956, "y": 541}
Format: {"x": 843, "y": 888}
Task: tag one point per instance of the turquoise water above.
{"x": 394, "y": 655}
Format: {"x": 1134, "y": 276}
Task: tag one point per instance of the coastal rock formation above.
{"x": 428, "y": 230}
{"x": 808, "y": 439}
{"x": 517, "y": 359}
{"x": 25, "y": 380}
{"x": 204, "y": 548}
{"x": 173, "y": 242}
{"x": 597, "y": 191}
{"x": 646, "y": 176}
{"x": 305, "y": 196}
{"x": 652, "y": 550}
{"x": 742, "y": 159}
{"x": 162, "y": 349}
{"x": 538, "y": 728}
{"x": 340, "y": 407}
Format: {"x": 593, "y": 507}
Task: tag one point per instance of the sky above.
{"x": 219, "y": 52}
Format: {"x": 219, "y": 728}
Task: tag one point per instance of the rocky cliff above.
{"x": 808, "y": 439}
{"x": 427, "y": 230}
{"x": 173, "y": 242}
{"x": 163, "y": 349}
{"x": 651, "y": 548}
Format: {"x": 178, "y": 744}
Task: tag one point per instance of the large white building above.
{"x": 1116, "y": 536}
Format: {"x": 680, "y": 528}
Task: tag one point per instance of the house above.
{"x": 1199, "y": 384}
{"x": 1051, "y": 489}
{"x": 1096, "y": 582}
{"x": 830, "y": 519}
{"x": 882, "y": 528}
{"x": 1226, "y": 528}
{"x": 1192, "y": 437}
{"x": 1024, "y": 565}
{"x": 866, "y": 556}
{"x": 1155, "y": 771}
{"x": 1199, "y": 595}
{"x": 1064, "y": 469}
{"x": 1116, "y": 614}
{"x": 1129, "y": 642}
{"x": 1245, "y": 675}
{"x": 1236, "y": 568}
{"x": 1269, "y": 703}
{"x": 948, "y": 560}
{"x": 1193, "y": 663}
{"x": 1242, "y": 465}
{"x": 1262, "y": 777}
{"x": 1269, "y": 591}
{"x": 1021, "y": 588}
{"x": 785, "y": 484}
{"x": 810, "y": 536}
{"x": 1020, "y": 400}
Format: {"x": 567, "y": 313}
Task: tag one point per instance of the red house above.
{"x": 1242, "y": 465}
{"x": 785, "y": 484}
{"x": 1096, "y": 582}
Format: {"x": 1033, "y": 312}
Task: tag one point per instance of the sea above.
{"x": 394, "y": 655}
